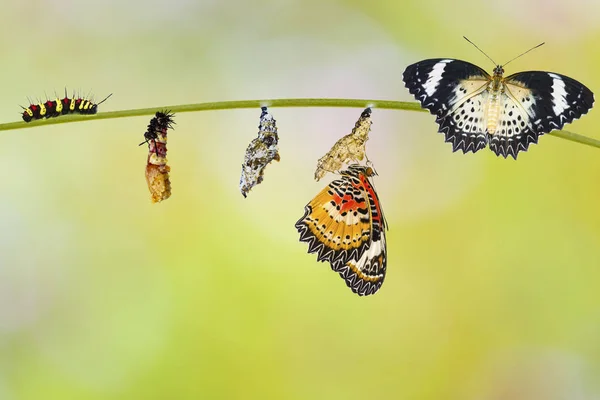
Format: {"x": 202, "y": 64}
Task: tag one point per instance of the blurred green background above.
{"x": 494, "y": 265}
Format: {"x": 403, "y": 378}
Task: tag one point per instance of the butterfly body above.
{"x": 493, "y": 107}
{"x": 474, "y": 109}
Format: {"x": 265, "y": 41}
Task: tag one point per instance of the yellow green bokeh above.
{"x": 493, "y": 265}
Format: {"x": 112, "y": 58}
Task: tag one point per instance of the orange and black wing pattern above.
{"x": 344, "y": 225}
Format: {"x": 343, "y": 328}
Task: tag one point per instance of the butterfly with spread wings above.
{"x": 344, "y": 224}
{"x": 474, "y": 109}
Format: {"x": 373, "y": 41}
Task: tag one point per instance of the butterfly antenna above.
{"x": 483, "y": 52}
{"x": 522, "y": 54}
{"x": 106, "y": 98}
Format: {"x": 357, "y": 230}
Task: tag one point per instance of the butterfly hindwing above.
{"x": 365, "y": 275}
{"x": 514, "y": 131}
{"x": 464, "y": 126}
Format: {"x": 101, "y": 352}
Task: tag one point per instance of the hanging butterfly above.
{"x": 474, "y": 109}
{"x": 344, "y": 224}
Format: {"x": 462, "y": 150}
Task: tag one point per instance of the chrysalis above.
{"x": 349, "y": 148}
{"x": 260, "y": 152}
{"x": 157, "y": 170}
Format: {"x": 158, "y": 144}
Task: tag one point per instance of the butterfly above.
{"x": 474, "y": 109}
{"x": 344, "y": 224}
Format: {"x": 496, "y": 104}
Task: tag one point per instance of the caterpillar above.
{"x": 56, "y": 107}
{"x": 157, "y": 170}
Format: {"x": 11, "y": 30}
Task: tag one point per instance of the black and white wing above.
{"x": 535, "y": 103}
{"x": 455, "y": 92}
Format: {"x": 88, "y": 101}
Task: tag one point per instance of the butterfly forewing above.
{"x": 434, "y": 82}
{"x": 454, "y": 91}
{"x": 336, "y": 223}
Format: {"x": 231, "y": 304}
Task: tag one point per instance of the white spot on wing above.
{"x": 435, "y": 76}
{"x": 559, "y": 95}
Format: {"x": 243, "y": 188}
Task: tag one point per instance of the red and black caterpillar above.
{"x": 56, "y": 107}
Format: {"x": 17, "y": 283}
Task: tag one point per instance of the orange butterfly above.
{"x": 344, "y": 224}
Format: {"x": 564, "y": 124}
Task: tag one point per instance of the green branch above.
{"x": 229, "y": 105}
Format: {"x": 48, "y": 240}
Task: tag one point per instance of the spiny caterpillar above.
{"x": 157, "y": 170}
{"x": 56, "y": 107}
